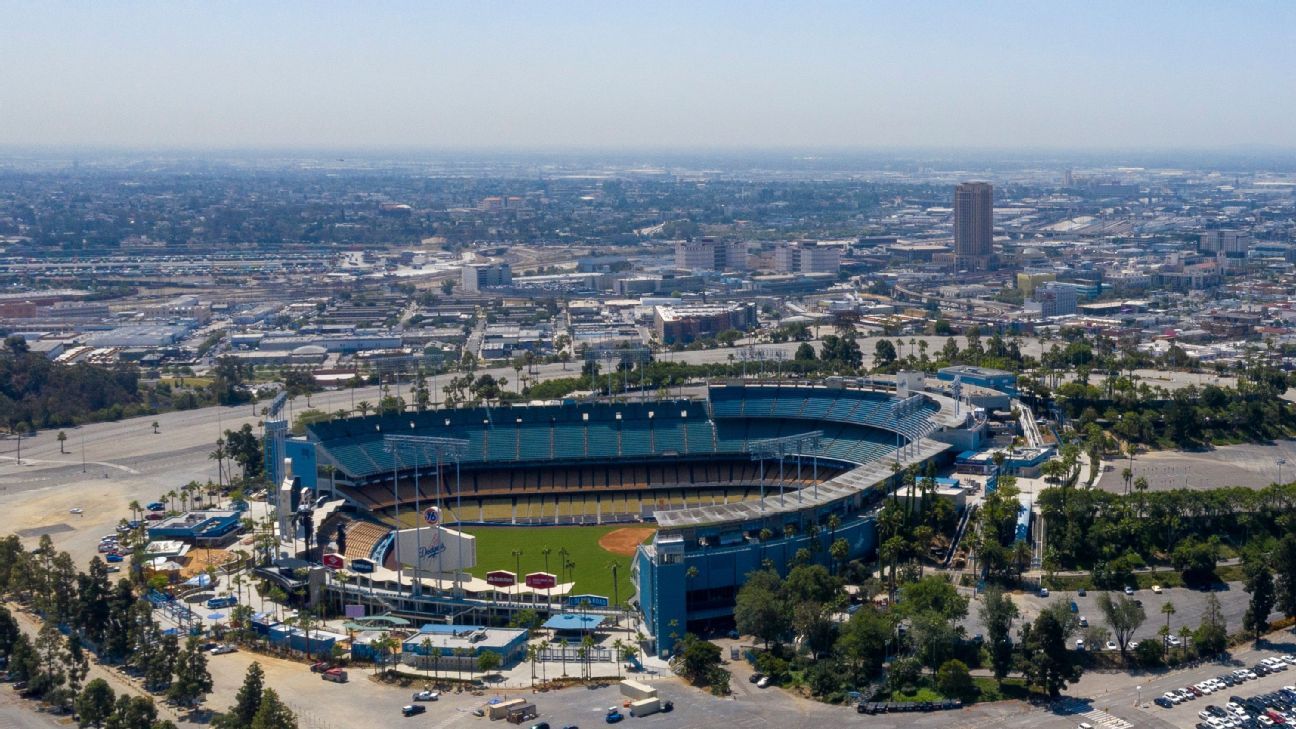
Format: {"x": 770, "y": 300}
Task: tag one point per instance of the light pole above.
{"x": 1139, "y": 701}
{"x": 1280, "y": 463}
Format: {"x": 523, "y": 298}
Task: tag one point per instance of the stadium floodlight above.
{"x": 779, "y": 448}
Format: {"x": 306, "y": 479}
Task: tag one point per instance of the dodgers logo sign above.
{"x": 432, "y": 515}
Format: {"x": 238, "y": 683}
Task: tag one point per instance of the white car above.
{"x": 764, "y": 682}
{"x": 1263, "y": 720}
{"x": 1129, "y": 590}
{"x": 427, "y": 696}
{"x": 1156, "y": 589}
{"x": 1080, "y": 644}
{"x": 1205, "y": 688}
{"x": 1111, "y": 646}
{"x": 1172, "y": 697}
{"x": 222, "y": 649}
{"x": 76, "y": 510}
{"x": 1173, "y": 640}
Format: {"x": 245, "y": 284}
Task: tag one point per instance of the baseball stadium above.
{"x": 660, "y": 506}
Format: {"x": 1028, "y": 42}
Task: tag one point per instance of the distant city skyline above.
{"x": 710, "y": 75}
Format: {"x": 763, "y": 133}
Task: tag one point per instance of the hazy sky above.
{"x": 648, "y": 74}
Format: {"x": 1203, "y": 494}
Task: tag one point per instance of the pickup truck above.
{"x": 336, "y": 675}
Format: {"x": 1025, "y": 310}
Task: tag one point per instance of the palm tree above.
{"x": 562, "y": 645}
{"x": 134, "y": 507}
{"x": 62, "y": 438}
{"x": 364, "y": 406}
{"x": 155, "y": 427}
{"x": 1167, "y": 610}
{"x": 618, "y": 648}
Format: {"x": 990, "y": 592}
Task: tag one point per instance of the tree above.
{"x": 1211, "y": 636}
{"x": 1123, "y": 616}
{"x": 273, "y": 713}
{"x": 760, "y": 610}
{"x": 248, "y": 699}
{"x": 700, "y": 662}
{"x": 934, "y": 638}
{"x": 1260, "y": 585}
{"x": 132, "y": 712}
{"x": 95, "y": 704}
{"x": 813, "y": 622}
{"x": 997, "y": 613}
{"x": 1284, "y": 567}
{"x": 488, "y": 662}
{"x": 812, "y": 583}
{"x": 1046, "y": 662}
{"x": 934, "y": 593}
{"x": 62, "y": 438}
{"x": 192, "y": 680}
{"x": 864, "y": 638}
{"x": 804, "y": 353}
{"x": 954, "y": 681}
{"x": 884, "y": 352}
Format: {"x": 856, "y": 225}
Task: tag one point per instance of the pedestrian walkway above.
{"x": 1100, "y": 718}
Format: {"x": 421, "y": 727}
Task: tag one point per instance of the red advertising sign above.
{"x": 333, "y": 561}
{"x": 541, "y": 580}
{"x": 501, "y": 578}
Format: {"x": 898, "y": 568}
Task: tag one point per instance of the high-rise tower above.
{"x": 973, "y": 224}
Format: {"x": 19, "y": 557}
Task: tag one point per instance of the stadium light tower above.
{"x": 436, "y": 449}
{"x": 780, "y": 448}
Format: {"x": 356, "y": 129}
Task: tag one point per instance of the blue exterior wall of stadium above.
{"x": 674, "y": 603}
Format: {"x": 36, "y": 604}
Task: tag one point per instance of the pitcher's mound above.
{"x": 622, "y": 542}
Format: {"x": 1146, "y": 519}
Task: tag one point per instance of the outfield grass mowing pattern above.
{"x": 592, "y": 573}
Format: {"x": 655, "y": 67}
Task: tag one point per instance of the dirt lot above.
{"x": 622, "y": 542}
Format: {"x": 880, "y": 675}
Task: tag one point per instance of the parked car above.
{"x": 764, "y": 682}
{"x": 113, "y": 557}
{"x": 1129, "y": 590}
{"x": 614, "y": 715}
{"x": 426, "y": 696}
{"x": 1156, "y": 589}
{"x": 222, "y": 649}
{"x": 413, "y": 709}
{"x": 156, "y": 506}
{"x": 319, "y": 666}
{"x": 755, "y": 677}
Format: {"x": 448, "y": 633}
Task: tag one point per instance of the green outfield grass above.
{"x": 592, "y": 573}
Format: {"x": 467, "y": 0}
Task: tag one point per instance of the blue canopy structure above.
{"x": 575, "y": 622}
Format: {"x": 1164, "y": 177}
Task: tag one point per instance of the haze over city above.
{"x": 682, "y": 364}
{"x": 653, "y": 75}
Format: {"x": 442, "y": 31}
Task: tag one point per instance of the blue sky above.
{"x": 699, "y": 74}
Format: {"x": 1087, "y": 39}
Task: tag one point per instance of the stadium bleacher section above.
{"x": 518, "y": 460}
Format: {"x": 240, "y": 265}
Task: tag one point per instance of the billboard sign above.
{"x": 593, "y": 601}
{"x": 541, "y": 581}
{"x": 355, "y": 611}
{"x": 501, "y": 578}
{"x": 432, "y": 515}
{"x": 435, "y": 548}
{"x": 333, "y": 561}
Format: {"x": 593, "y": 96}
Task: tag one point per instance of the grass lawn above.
{"x": 989, "y": 690}
{"x": 920, "y": 693}
{"x": 592, "y": 573}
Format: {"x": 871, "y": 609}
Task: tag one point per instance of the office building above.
{"x": 709, "y": 254}
{"x": 1055, "y": 299}
{"x": 1232, "y": 243}
{"x": 973, "y": 225}
{"x": 686, "y": 323}
{"x": 807, "y": 257}
{"x": 482, "y": 276}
